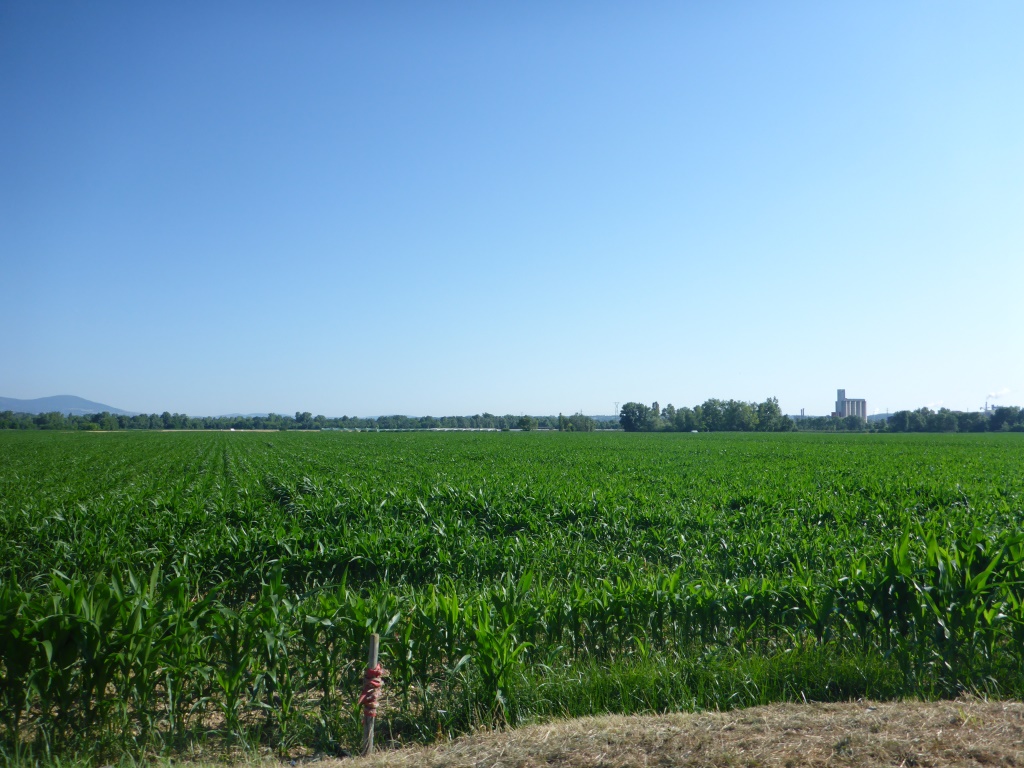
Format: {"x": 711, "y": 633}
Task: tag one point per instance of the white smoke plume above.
{"x": 996, "y": 395}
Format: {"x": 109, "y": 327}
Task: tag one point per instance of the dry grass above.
{"x": 967, "y": 732}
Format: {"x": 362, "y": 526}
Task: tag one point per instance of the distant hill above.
{"x": 69, "y": 405}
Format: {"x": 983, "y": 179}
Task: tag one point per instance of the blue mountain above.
{"x": 69, "y": 405}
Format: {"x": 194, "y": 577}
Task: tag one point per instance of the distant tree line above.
{"x": 580, "y": 423}
{"x": 738, "y": 416}
{"x": 1003, "y": 419}
{"x": 301, "y": 420}
{"x": 711, "y": 416}
{"x": 838, "y": 424}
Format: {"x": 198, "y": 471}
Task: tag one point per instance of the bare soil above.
{"x": 966, "y": 732}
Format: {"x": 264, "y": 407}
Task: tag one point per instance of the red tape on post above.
{"x": 371, "y": 690}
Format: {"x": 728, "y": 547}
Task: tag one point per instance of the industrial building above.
{"x": 847, "y": 407}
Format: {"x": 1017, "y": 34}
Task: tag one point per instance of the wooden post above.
{"x": 368, "y": 721}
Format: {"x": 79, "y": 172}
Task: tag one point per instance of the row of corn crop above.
{"x": 420, "y": 508}
{"x": 153, "y": 661}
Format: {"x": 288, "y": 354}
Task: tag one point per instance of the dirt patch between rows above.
{"x": 966, "y": 732}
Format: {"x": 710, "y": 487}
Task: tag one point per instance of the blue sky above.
{"x": 446, "y": 208}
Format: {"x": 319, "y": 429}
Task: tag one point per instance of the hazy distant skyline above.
{"x": 459, "y": 208}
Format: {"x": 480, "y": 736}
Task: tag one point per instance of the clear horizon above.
{"x": 992, "y": 404}
{"x": 458, "y": 208}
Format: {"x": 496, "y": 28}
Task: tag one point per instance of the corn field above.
{"x": 163, "y": 590}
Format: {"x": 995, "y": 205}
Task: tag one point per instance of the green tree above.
{"x": 740, "y": 416}
{"x": 527, "y": 423}
{"x": 635, "y": 417}
{"x": 899, "y": 421}
{"x": 51, "y": 420}
{"x": 1003, "y": 418}
{"x": 576, "y": 423}
{"x": 686, "y": 419}
{"x": 970, "y": 422}
{"x": 854, "y": 423}
{"x": 106, "y": 421}
{"x": 655, "y": 417}
{"x": 770, "y": 417}
{"x": 713, "y": 415}
{"x": 943, "y": 421}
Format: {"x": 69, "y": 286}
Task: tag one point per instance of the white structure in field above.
{"x": 845, "y": 407}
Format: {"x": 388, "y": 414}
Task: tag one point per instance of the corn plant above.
{"x": 158, "y": 590}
